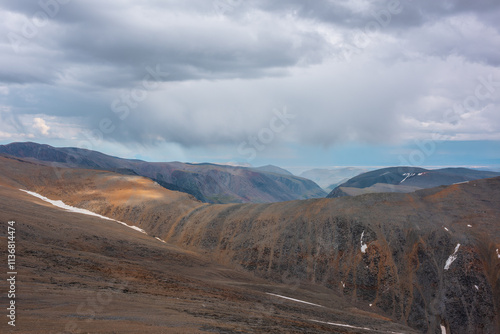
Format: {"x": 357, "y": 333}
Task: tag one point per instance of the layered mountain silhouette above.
{"x": 207, "y": 182}
{"x": 328, "y": 179}
{"x": 426, "y": 261}
{"x": 406, "y": 179}
{"x": 272, "y": 169}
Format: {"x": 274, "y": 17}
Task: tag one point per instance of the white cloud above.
{"x": 5, "y": 135}
{"x": 40, "y": 125}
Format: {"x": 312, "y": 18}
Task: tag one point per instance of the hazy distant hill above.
{"x": 273, "y": 169}
{"x": 328, "y": 179}
{"x": 207, "y": 182}
{"x": 406, "y": 179}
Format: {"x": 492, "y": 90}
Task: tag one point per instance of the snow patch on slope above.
{"x": 363, "y": 245}
{"x": 350, "y": 326}
{"x": 407, "y": 175}
{"x": 62, "y": 205}
{"x": 293, "y": 299}
{"x": 452, "y": 258}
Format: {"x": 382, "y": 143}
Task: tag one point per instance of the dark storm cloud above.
{"x": 399, "y": 17}
{"x": 190, "y": 42}
{"x": 222, "y": 66}
{"x": 353, "y": 14}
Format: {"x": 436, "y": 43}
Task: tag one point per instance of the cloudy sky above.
{"x": 297, "y": 83}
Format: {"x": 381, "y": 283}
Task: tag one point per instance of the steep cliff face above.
{"x": 389, "y": 252}
{"x": 428, "y": 259}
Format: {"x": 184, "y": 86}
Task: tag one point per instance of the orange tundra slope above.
{"x": 392, "y": 254}
{"x": 83, "y": 274}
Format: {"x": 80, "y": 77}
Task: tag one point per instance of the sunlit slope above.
{"x": 209, "y": 183}
{"x": 133, "y": 198}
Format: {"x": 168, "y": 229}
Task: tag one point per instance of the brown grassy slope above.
{"x": 401, "y": 274}
{"x": 83, "y": 274}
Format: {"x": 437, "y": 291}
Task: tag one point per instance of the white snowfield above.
{"x": 363, "y": 245}
{"x": 62, "y": 205}
{"x": 452, "y": 258}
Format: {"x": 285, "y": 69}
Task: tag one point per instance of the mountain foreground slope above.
{"x": 428, "y": 260}
{"x": 207, "y": 182}
{"x": 83, "y": 274}
{"x": 406, "y": 179}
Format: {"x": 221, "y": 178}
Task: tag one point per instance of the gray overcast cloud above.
{"x": 204, "y": 73}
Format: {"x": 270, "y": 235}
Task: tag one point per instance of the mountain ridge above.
{"x": 208, "y": 182}
{"x": 406, "y": 179}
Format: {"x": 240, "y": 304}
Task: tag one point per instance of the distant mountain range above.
{"x": 209, "y": 183}
{"x": 328, "y": 179}
{"x": 406, "y": 179}
{"x": 212, "y": 183}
